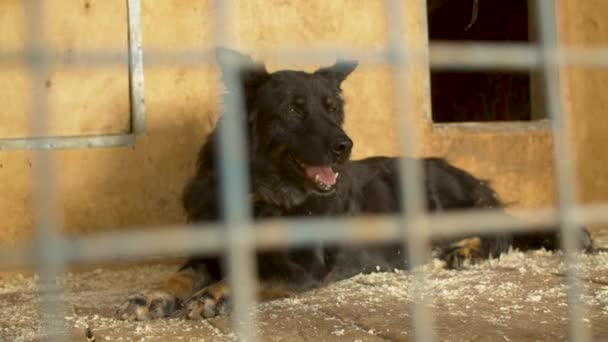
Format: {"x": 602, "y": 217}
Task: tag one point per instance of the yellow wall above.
{"x": 584, "y": 24}
{"x": 586, "y": 90}
{"x": 118, "y": 188}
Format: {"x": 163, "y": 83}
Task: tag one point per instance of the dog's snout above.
{"x": 342, "y": 146}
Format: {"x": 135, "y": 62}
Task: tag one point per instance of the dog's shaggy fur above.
{"x": 299, "y": 163}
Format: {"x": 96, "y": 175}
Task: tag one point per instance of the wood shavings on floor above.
{"x": 519, "y": 297}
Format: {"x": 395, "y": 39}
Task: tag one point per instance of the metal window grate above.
{"x": 37, "y": 55}
{"x": 50, "y": 251}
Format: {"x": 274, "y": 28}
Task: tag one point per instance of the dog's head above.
{"x": 295, "y": 120}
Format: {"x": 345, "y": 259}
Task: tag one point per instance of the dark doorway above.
{"x": 488, "y": 95}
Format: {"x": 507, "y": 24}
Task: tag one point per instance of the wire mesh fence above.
{"x": 238, "y": 235}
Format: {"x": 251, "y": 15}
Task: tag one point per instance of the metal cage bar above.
{"x": 234, "y": 180}
{"x": 59, "y": 143}
{"x": 49, "y": 258}
{"x": 445, "y": 55}
{"x": 562, "y": 157}
{"x": 180, "y": 239}
{"x": 413, "y": 207}
{"x": 136, "y": 68}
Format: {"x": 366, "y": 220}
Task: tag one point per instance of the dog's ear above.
{"x": 339, "y": 71}
{"x": 251, "y": 74}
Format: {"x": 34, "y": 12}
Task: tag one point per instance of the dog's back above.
{"x": 448, "y": 188}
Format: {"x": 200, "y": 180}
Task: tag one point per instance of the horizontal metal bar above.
{"x": 518, "y": 127}
{"x": 477, "y": 56}
{"x": 469, "y": 56}
{"x": 67, "y": 142}
{"x": 209, "y": 238}
{"x": 509, "y": 56}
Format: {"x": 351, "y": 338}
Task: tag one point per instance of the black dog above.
{"x": 299, "y": 162}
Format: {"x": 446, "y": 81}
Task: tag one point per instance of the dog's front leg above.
{"x": 215, "y": 299}
{"x": 165, "y": 300}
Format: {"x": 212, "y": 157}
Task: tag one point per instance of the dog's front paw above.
{"x": 146, "y": 306}
{"x": 209, "y": 302}
{"x": 462, "y": 253}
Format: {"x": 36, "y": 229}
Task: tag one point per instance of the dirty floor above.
{"x": 520, "y": 297}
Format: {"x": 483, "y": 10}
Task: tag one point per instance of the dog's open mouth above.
{"x": 323, "y": 176}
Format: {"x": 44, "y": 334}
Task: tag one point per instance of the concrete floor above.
{"x": 520, "y": 297}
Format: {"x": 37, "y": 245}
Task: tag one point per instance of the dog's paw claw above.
{"x": 462, "y": 253}
{"x": 146, "y": 306}
{"x": 209, "y": 302}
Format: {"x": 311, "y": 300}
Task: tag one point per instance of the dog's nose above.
{"x": 342, "y": 146}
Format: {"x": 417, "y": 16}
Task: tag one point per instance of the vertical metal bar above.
{"x": 413, "y": 209}
{"x": 562, "y": 156}
{"x": 235, "y": 185}
{"x": 50, "y": 258}
{"x": 136, "y": 68}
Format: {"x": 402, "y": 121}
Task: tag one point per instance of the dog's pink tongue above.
{"x": 327, "y": 176}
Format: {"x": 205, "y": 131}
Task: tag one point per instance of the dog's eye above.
{"x": 330, "y": 105}
{"x": 295, "y": 112}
